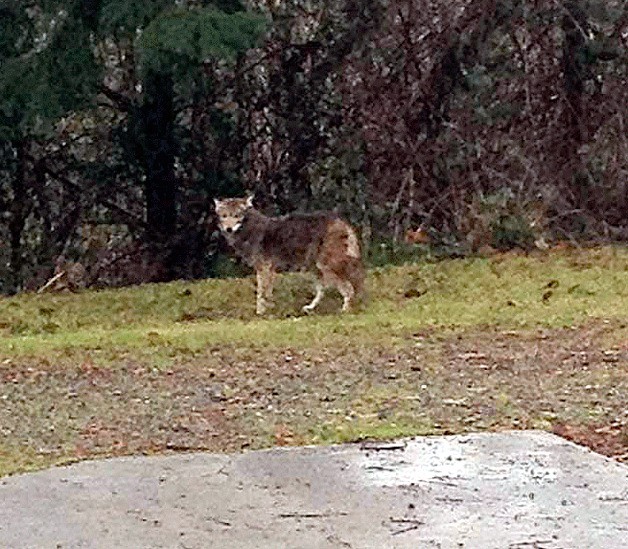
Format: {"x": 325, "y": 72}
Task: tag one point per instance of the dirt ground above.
{"x": 571, "y": 381}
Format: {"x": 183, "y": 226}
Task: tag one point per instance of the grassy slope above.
{"x": 523, "y": 341}
{"x": 506, "y": 291}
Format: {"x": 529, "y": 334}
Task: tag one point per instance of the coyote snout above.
{"x": 321, "y": 242}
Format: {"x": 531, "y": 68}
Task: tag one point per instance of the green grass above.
{"x": 163, "y": 320}
{"x": 193, "y": 315}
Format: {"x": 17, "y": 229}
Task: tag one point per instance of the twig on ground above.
{"x": 382, "y": 446}
{"x": 51, "y": 282}
{"x": 535, "y": 543}
{"x": 306, "y": 514}
{"x": 412, "y": 524}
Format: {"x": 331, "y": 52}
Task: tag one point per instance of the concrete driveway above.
{"x": 509, "y": 490}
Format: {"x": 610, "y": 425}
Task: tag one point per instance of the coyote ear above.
{"x": 216, "y": 202}
{"x": 249, "y": 200}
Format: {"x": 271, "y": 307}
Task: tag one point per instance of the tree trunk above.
{"x": 19, "y": 212}
{"x": 574, "y": 25}
{"x": 157, "y": 117}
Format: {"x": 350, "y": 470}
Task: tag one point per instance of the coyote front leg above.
{"x": 265, "y": 280}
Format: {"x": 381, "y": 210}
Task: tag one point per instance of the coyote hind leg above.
{"x": 347, "y": 292}
{"x": 344, "y": 286}
{"x": 320, "y": 291}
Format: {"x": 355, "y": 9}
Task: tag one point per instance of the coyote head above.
{"x": 231, "y": 212}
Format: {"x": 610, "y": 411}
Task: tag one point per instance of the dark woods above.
{"x": 485, "y": 124}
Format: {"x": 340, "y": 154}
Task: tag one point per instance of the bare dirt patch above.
{"x": 572, "y": 381}
{"x": 609, "y": 439}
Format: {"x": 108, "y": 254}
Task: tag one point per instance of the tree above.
{"x": 59, "y": 166}
{"x": 471, "y": 118}
{"x": 174, "y": 45}
{"x": 47, "y": 70}
{"x": 293, "y": 122}
{"x": 492, "y": 114}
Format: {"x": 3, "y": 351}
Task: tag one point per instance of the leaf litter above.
{"x": 566, "y": 380}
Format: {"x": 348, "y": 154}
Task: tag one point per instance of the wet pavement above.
{"x": 508, "y": 490}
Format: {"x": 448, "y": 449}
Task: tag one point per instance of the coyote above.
{"x": 321, "y": 242}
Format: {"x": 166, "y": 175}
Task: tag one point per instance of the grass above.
{"x": 510, "y": 291}
{"x": 476, "y": 344}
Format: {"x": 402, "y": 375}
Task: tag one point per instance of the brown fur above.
{"x": 321, "y": 242}
{"x": 417, "y": 236}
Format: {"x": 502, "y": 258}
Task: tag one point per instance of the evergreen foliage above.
{"x": 178, "y": 39}
{"x": 53, "y": 60}
{"x": 47, "y": 69}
